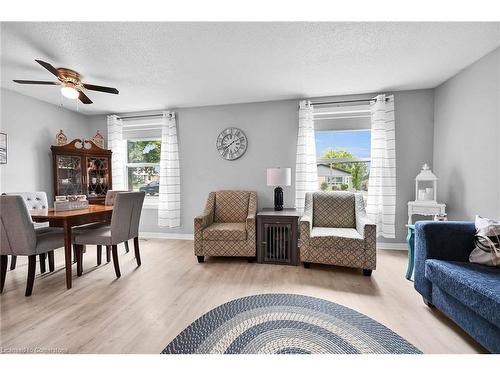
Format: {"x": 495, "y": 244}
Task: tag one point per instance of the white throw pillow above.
{"x": 487, "y": 241}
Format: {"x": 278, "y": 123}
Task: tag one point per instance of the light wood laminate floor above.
{"x": 148, "y": 306}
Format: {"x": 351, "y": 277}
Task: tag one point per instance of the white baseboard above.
{"x": 169, "y": 236}
{"x": 392, "y": 246}
{"x": 190, "y": 236}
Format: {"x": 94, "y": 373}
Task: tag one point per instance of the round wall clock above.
{"x": 232, "y": 143}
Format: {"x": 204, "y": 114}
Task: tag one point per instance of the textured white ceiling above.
{"x": 166, "y": 65}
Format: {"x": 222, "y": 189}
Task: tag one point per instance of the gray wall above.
{"x": 271, "y": 128}
{"x": 414, "y": 112}
{"x": 467, "y": 140}
{"x": 31, "y": 126}
{"x": 98, "y": 122}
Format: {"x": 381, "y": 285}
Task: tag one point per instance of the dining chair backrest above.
{"x": 126, "y": 216}
{"x": 17, "y": 231}
{"x": 111, "y": 195}
{"x": 136, "y": 215}
{"x": 34, "y": 200}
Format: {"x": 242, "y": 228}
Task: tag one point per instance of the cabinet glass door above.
{"x": 69, "y": 175}
{"x": 97, "y": 176}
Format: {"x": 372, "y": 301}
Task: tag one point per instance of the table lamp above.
{"x": 279, "y": 177}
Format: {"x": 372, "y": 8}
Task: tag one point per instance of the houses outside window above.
{"x": 143, "y": 167}
{"x": 343, "y": 140}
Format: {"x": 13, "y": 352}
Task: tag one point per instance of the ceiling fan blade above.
{"x": 84, "y": 98}
{"x": 49, "y": 67}
{"x": 26, "y": 82}
{"x": 109, "y": 90}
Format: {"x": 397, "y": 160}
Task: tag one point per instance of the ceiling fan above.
{"x": 71, "y": 82}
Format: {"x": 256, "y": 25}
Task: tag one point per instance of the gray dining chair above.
{"x": 109, "y": 201}
{"x": 35, "y": 200}
{"x": 124, "y": 226}
{"x": 20, "y": 238}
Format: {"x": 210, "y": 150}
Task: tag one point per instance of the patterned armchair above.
{"x": 335, "y": 230}
{"x": 227, "y": 225}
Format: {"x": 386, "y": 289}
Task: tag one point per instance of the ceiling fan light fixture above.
{"x": 69, "y": 91}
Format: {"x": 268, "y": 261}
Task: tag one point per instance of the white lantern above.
{"x": 426, "y": 185}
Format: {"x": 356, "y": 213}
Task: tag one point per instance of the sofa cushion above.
{"x": 231, "y": 206}
{"x": 334, "y": 209}
{"x": 336, "y": 238}
{"x": 475, "y": 285}
{"x": 225, "y": 232}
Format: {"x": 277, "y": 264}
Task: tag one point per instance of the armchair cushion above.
{"x": 335, "y": 232}
{"x": 334, "y": 209}
{"x": 347, "y": 238}
{"x": 225, "y": 232}
{"x": 231, "y": 206}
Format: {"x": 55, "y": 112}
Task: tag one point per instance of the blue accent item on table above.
{"x": 467, "y": 293}
{"x": 410, "y": 239}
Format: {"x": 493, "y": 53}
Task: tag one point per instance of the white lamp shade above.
{"x": 69, "y": 91}
{"x": 279, "y": 176}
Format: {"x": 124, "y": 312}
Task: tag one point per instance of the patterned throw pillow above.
{"x": 487, "y": 241}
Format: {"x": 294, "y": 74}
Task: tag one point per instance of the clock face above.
{"x": 232, "y": 143}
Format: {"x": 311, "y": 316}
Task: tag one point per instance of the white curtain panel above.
{"x": 381, "y": 204}
{"x": 306, "y": 171}
{"x": 116, "y": 144}
{"x": 169, "y": 207}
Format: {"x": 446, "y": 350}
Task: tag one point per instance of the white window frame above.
{"x": 147, "y": 204}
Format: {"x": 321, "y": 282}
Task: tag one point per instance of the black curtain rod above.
{"x": 139, "y": 116}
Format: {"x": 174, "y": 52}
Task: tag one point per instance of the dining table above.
{"x": 93, "y": 213}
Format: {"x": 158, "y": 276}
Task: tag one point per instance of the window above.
{"x": 143, "y": 167}
{"x": 343, "y": 159}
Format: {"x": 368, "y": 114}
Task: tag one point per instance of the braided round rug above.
{"x": 286, "y": 324}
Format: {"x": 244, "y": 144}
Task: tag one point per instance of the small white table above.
{"x": 426, "y": 208}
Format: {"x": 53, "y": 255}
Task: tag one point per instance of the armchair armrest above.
{"x": 250, "y": 218}
{"x": 364, "y": 225}
{"x": 305, "y": 228}
{"x": 206, "y": 218}
{"x": 445, "y": 240}
{"x": 250, "y": 225}
{"x": 203, "y": 220}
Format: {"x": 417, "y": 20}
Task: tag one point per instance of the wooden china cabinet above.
{"x": 82, "y": 167}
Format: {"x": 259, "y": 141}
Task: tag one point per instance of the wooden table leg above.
{"x": 67, "y": 253}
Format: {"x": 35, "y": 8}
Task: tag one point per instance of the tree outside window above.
{"x": 343, "y": 160}
{"x": 143, "y": 167}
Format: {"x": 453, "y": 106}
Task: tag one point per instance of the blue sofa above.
{"x": 467, "y": 293}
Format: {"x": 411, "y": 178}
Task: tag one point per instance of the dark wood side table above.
{"x": 277, "y": 236}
